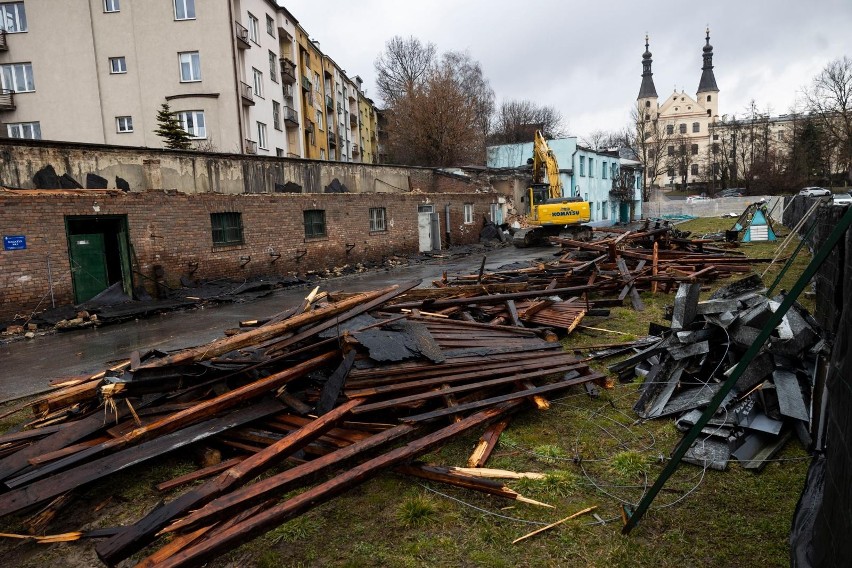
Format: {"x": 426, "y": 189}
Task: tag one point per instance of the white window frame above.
{"x": 253, "y": 28}
{"x": 19, "y": 130}
{"x": 276, "y": 115}
{"x": 117, "y": 65}
{"x": 13, "y": 13}
{"x": 378, "y": 220}
{"x": 15, "y": 71}
{"x": 123, "y": 124}
{"x": 270, "y": 25}
{"x": 320, "y": 121}
{"x": 273, "y": 66}
{"x": 257, "y": 87}
{"x": 262, "y": 138}
{"x": 188, "y": 6}
{"x": 467, "y": 210}
{"x": 193, "y": 61}
{"x": 189, "y": 122}
{"x": 111, "y": 6}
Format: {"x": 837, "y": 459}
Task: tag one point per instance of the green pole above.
{"x": 789, "y": 262}
{"x": 752, "y": 352}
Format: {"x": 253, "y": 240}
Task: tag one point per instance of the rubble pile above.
{"x": 770, "y": 403}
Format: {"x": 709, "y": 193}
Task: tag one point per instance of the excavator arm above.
{"x": 545, "y": 167}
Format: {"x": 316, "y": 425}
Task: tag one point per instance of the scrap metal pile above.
{"x": 321, "y": 397}
{"x": 770, "y": 402}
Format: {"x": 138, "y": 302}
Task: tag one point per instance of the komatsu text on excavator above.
{"x": 550, "y": 214}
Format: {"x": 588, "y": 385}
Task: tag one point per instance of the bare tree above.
{"x": 442, "y": 121}
{"x": 649, "y": 144}
{"x": 606, "y": 139}
{"x": 517, "y": 121}
{"x": 829, "y": 98}
{"x": 403, "y": 66}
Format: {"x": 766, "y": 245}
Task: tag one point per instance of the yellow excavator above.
{"x": 550, "y": 214}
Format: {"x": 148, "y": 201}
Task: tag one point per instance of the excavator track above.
{"x": 529, "y": 237}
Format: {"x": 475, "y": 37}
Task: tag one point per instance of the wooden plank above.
{"x": 136, "y": 536}
{"x": 266, "y": 520}
{"x": 487, "y": 443}
{"x": 634, "y": 295}
{"x": 513, "y": 313}
{"x": 334, "y": 384}
{"x": 198, "y": 474}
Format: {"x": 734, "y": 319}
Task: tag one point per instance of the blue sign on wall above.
{"x": 14, "y": 242}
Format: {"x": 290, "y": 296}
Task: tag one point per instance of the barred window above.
{"x": 227, "y": 228}
{"x": 314, "y": 223}
{"x": 377, "y": 219}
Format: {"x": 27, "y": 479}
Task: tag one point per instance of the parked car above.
{"x": 731, "y": 192}
{"x": 815, "y": 192}
{"x": 841, "y": 199}
{"x": 696, "y": 198}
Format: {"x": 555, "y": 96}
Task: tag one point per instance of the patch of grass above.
{"x": 300, "y": 529}
{"x": 549, "y": 453}
{"x": 629, "y": 464}
{"x": 416, "y": 511}
{"x": 556, "y": 483}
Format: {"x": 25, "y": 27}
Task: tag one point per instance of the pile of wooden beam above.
{"x": 320, "y": 397}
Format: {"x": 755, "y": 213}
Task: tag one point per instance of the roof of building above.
{"x": 647, "y": 88}
{"x": 708, "y": 80}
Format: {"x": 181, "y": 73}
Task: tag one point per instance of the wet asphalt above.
{"x": 27, "y": 367}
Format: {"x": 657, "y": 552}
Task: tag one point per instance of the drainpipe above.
{"x": 447, "y": 223}
{"x": 231, "y": 21}
{"x": 573, "y": 169}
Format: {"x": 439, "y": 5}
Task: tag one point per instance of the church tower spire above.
{"x": 708, "y": 80}
{"x": 647, "y": 90}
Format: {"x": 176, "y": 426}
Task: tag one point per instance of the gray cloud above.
{"x": 584, "y": 58}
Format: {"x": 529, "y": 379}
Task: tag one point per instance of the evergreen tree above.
{"x": 170, "y": 130}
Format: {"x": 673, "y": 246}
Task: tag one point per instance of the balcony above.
{"x": 306, "y": 83}
{"x": 288, "y": 71}
{"x": 355, "y": 149}
{"x": 242, "y": 34}
{"x": 353, "y": 120}
{"x": 246, "y": 94}
{"x": 332, "y": 140}
{"x": 291, "y": 117}
{"x": 3, "y": 45}
{"x": 251, "y": 146}
{"x": 329, "y": 103}
{"x": 309, "y": 99}
{"x": 7, "y": 99}
{"x": 292, "y": 155}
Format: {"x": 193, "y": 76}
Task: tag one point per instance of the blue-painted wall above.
{"x": 583, "y": 172}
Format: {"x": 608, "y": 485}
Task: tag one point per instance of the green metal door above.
{"x": 88, "y": 266}
{"x": 624, "y": 212}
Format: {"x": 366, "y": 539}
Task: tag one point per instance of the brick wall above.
{"x": 173, "y": 230}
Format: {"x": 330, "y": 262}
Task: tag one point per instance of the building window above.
{"x": 715, "y": 137}
{"x": 117, "y": 65}
{"x": 124, "y": 124}
{"x": 18, "y": 77}
{"x": 261, "y": 136}
{"x": 709, "y": 98}
{"x": 319, "y": 119}
{"x": 111, "y": 6}
{"x": 190, "y": 66}
{"x": 695, "y": 149}
{"x": 605, "y": 210}
{"x": 694, "y": 169}
{"x": 468, "y": 213}
{"x": 254, "y": 29}
{"x": 696, "y": 127}
{"x": 715, "y": 147}
{"x": 682, "y": 128}
{"x": 651, "y": 153}
{"x": 781, "y": 135}
{"x": 279, "y": 152}
{"x": 582, "y": 166}
{"x": 604, "y": 168}
{"x": 683, "y": 149}
{"x": 314, "y": 223}
{"x": 708, "y": 112}
{"x": 614, "y": 171}
{"x": 28, "y": 130}
{"x": 14, "y": 17}
{"x": 270, "y": 25}
{"x": 670, "y": 150}
{"x": 192, "y": 121}
{"x": 276, "y": 115}
{"x": 184, "y": 9}
{"x": 257, "y": 83}
{"x": 670, "y": 129}
{"x": 227, "y": 228}
{"x": 273, "y": 67}
{"x": 377, "y": 219}
{"x": 591, "y": 168}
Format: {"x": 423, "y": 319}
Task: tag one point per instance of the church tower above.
{"x": 708, "y": 92}
{"x": 647, "y": 98}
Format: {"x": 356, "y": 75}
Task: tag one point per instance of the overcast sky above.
{"x": 585, "y": 58}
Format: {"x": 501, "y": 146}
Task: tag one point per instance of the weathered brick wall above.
{"x": 830, "y": 544}
{"x": 199, "y": 172}
{"x": 173, "y": 230}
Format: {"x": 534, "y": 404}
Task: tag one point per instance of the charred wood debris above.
{"x": 346, "y": 386}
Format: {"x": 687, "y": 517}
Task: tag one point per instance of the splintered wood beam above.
{"x": 486, "y": 444}
{"x": 45, "y": 489}
{"x": 198, "y": 474}
{"x": 266, "y": 520}
{"x": 334, "y": 384}
{"x": 263, "y": 333}
{"x": 201, "y": 411}
{"x": 135, "y": 537}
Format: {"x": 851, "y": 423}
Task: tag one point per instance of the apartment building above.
{"x": 241, "y": 76}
